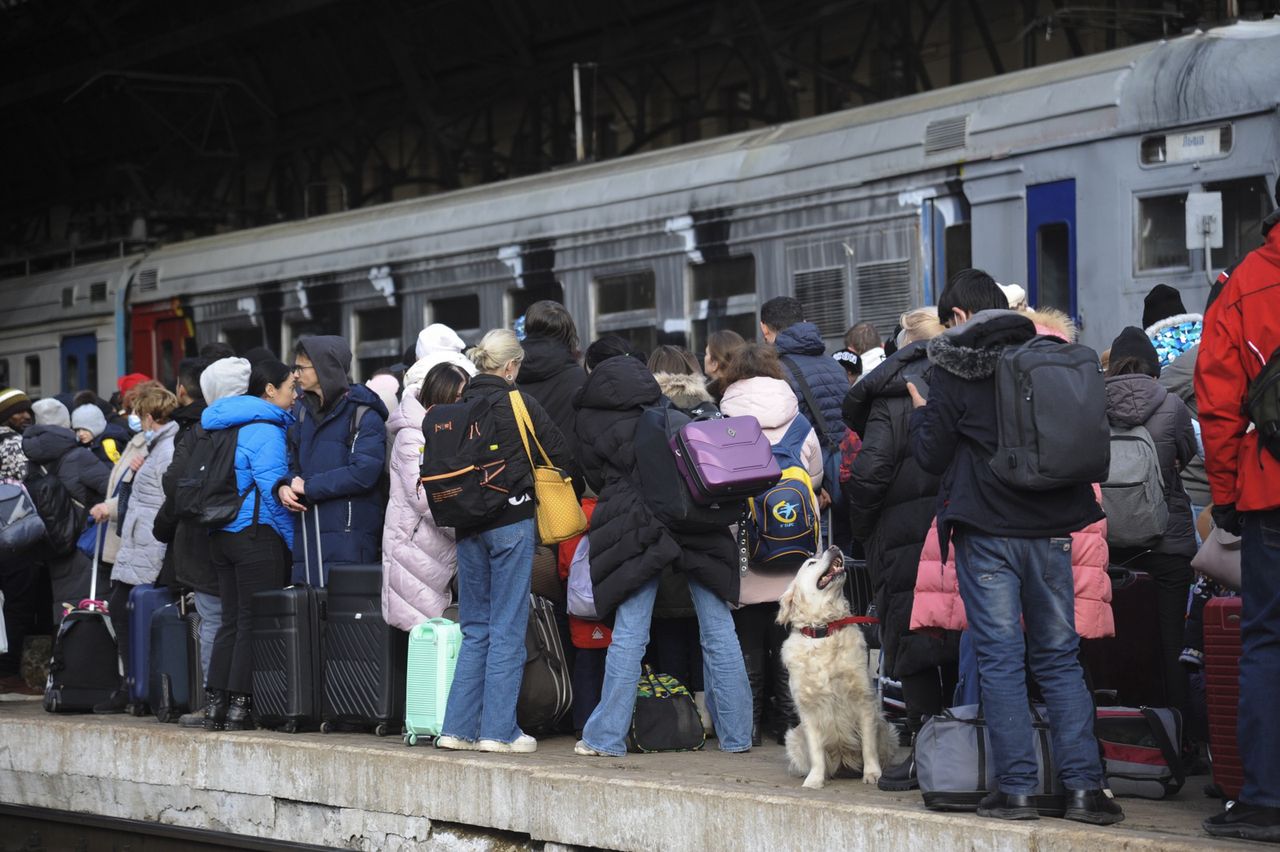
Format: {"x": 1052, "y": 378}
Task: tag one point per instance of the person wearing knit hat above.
{"x": 387, "y": 388}
{"x": 126, "y": 382}
{"x": 15, "y": 409}
{"x": 225, "y": 377}
{"x": 1133, "y": 346}
{"x": 50, "y": 412}
{"x": 1162, "y": 302}
{"x": 88, "y": 423}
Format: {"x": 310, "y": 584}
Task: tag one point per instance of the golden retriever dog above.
{"x": 840, "y": 723}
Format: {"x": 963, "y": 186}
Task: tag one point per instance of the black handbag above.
{"x": 666, "y": 717}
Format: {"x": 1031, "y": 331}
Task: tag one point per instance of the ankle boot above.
{"x": 754, "y": 661}
{"x": 783, "y": 716}
{"x": 215, "y": 709}
{"x": 240, "y": 712}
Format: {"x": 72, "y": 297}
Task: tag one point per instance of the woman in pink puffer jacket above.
{"x": 419, "y": 559}
{"x": 937, "y": 598}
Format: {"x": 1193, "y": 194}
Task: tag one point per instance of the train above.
{"x": 1072, "y": 179}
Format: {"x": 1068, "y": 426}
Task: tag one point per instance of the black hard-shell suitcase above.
{"x": 546, "y": 693}
{"x": 364, "y": 657}
{"x": 175, "y": 682}
{"x": 1128, "y": 664}
{"x": 86, "y": 667}
{"x": 287, "y": 636}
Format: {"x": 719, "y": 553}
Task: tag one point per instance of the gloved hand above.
{"x": 1227, "y": 518}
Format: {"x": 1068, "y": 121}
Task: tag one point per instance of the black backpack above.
{"x": 664, "y": 490}
{"x": 64, "y": 517}
{"x": 463, "y": 468}
{"x": 1051, "y": 414}
{"x": 206, "y": 492}
{"x": 1263, "y": 405}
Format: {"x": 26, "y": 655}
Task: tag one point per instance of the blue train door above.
{"x": 80, "y": 363}
{"x": 1051, "y": 245}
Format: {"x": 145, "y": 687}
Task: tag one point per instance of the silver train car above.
{"x": 1070, "y": 179}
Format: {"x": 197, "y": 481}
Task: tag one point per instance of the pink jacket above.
{"x": 938, "y": 605}
{"x": 418, "y": 558}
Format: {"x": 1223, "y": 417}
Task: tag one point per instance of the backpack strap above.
{"x": 819, "y": 420}
{"x": 792, "y": 442}
{"x": 1161, "y": 737}
{"x": 356, "y": 417}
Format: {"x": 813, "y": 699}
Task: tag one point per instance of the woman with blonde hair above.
{"x": 495, "y": 559}
{"x": 140, "y": 556}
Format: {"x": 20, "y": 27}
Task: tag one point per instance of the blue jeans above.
{"x": 724, "y": 673}
{"x": 494, "y": 571}
{"x": 968, "y": 685}
{"x": 209, "y": 606}
{"x": 1003, "y": 580}
{"x": 1258, "y": 726}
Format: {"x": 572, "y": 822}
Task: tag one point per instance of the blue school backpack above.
{"x": 782, "y": 526}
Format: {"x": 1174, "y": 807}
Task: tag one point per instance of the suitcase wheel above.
{"x": 291, "y": 727}
{"x": 325, "y": 728}
{"x": 136, "y": 709}
{"x": 381, "y": 730}
{"x": 410, "y": 739}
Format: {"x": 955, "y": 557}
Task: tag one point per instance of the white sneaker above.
{"x": 456, "y": 744}
{"x": 585, "y": 750}
{"x": 523, "y": 744}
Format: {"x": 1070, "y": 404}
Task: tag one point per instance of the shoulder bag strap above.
{"x": 819, "y": 420}
{"x": 1161, "y": 736}
{"x": 524, "y": 423}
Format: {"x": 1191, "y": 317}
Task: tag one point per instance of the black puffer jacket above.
{"x": 58, "y": 450}
{"x": 186, "y": 561}
{"x": 802, "y": 344}
{"x": 1139, "y": 400}
{"x": 629, "y": 546}
{"x": 550, "y": 375}
{"x": 892, "y": 501}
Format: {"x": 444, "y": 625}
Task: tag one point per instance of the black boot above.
{"x": 240, "y": 712}
{"x": 754, "y": 661}
{"x": 215, "y": 710}
{"x": 783, "y": 716}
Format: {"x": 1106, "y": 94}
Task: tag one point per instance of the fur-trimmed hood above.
{"x": 1175, "y": 336}
{"x": 684, "y": 391}
{"x": 1054, "y": 322}
{"x": 971, "y": 351}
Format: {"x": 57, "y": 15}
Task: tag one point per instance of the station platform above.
{"x": 360, "y": 792}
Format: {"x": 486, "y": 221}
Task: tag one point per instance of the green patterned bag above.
{"x": 666, "y": 717}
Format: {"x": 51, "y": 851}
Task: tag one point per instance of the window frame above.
{"x": 1181, "y": 190}
{"x": 735, "y": 305}
{"x": 622, "y": 321}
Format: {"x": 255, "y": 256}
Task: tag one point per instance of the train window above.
{"x": 745, "y": 324}
{"x": 70, "y": 373}
{"x": 720, "y": 279}
{"x": 165, "y": 373}
{"x": 379, "y": 324}
{"x": 626, "y": 305}
{"x": 4, "y": 372}
{"x": 378, "y": 339}
{"x": 33, "y": 374}
{"x": 460, "y": 313}
{"x": 1245, "y": 203}
{"x": 958, "y": 245}
{"x": 1053, "y": 266}
{"x": 522, "y": 297}
{"x": 242, "y": 339}
{"x": 1205, "y": 143}
{"x": 1162, "y": 232}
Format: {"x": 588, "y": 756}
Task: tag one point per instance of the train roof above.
{"x": 1206, "y": 76}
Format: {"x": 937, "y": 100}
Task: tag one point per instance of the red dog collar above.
{"x": 822, "y": 631}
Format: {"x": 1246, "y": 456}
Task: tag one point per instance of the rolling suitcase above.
{"x": 85, "y": 667}
{"x": 287, "y": 690}
{"x": 1128, "y": 664}
{"x": 433, "y": 656}
{"x": 144, "y": 602}
{"x": 364, "y": 657}
{"x": 545, "y": 692}
{"x": 175, "y": 682}
{"x": 1222, "y": 691}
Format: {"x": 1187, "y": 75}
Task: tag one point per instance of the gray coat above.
{"x": 140, "y": 556}
{"x": 1179, "y": 378}
{"x": 1139, "y": 400}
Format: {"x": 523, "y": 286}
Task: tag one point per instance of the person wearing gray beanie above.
{"x": 225, "y": 377}
{"x": 51, "y": 412}
{"x": 88, "y": 419}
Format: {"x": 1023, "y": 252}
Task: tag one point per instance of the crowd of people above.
{"x": 981, "y": 586}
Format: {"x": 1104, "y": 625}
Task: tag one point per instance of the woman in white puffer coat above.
{"x": 419, "y": 559}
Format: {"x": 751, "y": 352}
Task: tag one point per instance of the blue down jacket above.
{"x": 262, "y": 458}
{"x": 803, "y": 346}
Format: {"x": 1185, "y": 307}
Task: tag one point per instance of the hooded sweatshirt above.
{"x": 440, "y": 343}
{"x": 341, "y": 461}
{"x": 551, "y": 375}
{"x": 224, "y": 377}
{"x": 51, "y": 412}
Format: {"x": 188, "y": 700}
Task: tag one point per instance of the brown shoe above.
{"x": 15, "y": 685}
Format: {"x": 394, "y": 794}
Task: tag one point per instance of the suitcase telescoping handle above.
{"x": 98, "y": 539}
{"x": 306, "y": 551}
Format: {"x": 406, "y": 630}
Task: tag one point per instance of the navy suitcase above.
{"x": 364, "y": 657}
{"x": 144, "y": 602}
{"x": 175, "y": 681}
{"x": 287, "y": 637}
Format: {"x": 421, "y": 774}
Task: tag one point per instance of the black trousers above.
{"x": 247, "y": 562}
{"x": 118, "y": 606}
{"x": 21, "y": 600}
{"x": 675, "y": 648}
{"x": 1172, "y": 576}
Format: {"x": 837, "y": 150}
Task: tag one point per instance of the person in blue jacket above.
{"x": 250, "y": 554}
{"x": 337, "y": 456}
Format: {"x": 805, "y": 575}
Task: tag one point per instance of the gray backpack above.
{"x": 1051, "y": 414}
{"x": 1133, "y": 493}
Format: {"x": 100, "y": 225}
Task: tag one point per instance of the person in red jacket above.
{"x": 1241, "y": 334}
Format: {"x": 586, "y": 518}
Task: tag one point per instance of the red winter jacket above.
{"x": 1241, "y": 331}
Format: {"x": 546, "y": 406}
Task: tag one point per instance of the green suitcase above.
{"x": 433, "y": 655}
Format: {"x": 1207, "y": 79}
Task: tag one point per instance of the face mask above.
{"x": 135, "y": 423}
{"x": 149, "y": 434}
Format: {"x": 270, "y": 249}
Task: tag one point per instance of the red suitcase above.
{"x": 1222, "y": 691}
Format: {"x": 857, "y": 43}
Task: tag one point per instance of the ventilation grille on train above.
{"x": 946, "y": 134}
{"x": 823, "y": 294}
{"x": 148, "y": 280}
{"x": 884, "y": 293}
{"x": 98, "y": 291}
